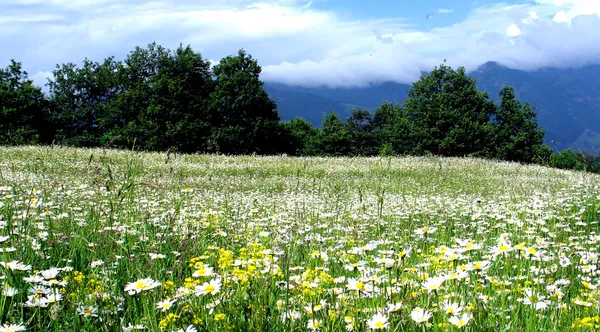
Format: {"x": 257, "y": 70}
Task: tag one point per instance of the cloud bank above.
{"x": 297, "y": 43}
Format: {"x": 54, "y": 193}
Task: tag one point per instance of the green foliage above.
{"x": 79, "y": 96}
{"x": 567, "y": 159}
{"x": 517, "y": 133}
{"x": 334, "y": 138}
{"x": 159, "y": 100}
{"x": 302, "y": 137}
{"x": 448, "y": 116}
{"x": 246, "y": 118}
{"x": 391, "y": 127}
{"x": 363, "y": 138}
{"x": 23, "y": 109}
{"x": 164, "y": 102}
{"x": 386, "y": 150}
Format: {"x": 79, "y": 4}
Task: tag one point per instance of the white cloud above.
{"x": 561, "y": 17}
{"x": 445, "y": 10}
{"x": 297, "y": 43}
{"x": 513, "y": 31}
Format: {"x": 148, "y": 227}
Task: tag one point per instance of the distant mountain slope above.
{"x": 312, "y": 108}
{"x": 567, "y": 100}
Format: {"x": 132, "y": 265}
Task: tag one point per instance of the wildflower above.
{"x": 535, "y": 300}
{"x": 9, "y": 291}
{"x": 50, "y": 273}
{"x": 97, "y": 263}
{"x": 314, "y": 324}
{"x": 190, "y": 328}
{"x": 137, "y": 287}
{"x": 54, "y": 297}
{"x": 293, "y": 315}
{"x": 394, "y": 307}
{"x": 15, "y": 265}
{"x": 12, "y": 327}
{"x": 36, "y": 301}
{"x": 388, "y": 263}
{"x": 502, "y": 248}
{"x": 433, "y": 284}
{"x": 154, "y": 256}
{"x": 219, "y": 317}
{"x": 420, "y": 316}
{"x": 87, "y": 311}
{"x": 203, "y": 271}
{"x": 165, "y": 305}
{"x": 360, "y": 286}
{"x": 460, "y": 321}
{"x": 425, "y": 230}
{"x": 211, "y": 287}
{"x": 378, "y": 321}
{"x": 451, "y": 308}
{"x": 130, "y": 327}
{"x": 280, "y": 304}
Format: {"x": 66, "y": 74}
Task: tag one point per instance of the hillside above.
{"x": 113, "y": 239}
{"x": 567, "y": 100}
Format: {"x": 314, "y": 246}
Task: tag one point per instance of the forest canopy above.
{"x": 158, "y": 99}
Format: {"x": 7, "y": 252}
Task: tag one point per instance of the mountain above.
{"x": 567, "y": 101}
{"x": 311, "y": 107}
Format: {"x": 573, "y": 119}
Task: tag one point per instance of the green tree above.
{"x": 518, "y": 136}
{"x": 448, "y": 116}
{"x": 79, "y": 96}
{"x": 246, "y": 120}
{"x": 302, "y": 137}
{"x": 164, "y": 101}
{"x": 23, "y": 109}
{"x": 363, "y": 141}
{"x": 334, "y": 139}
{"x": 391, "y": 129}
{"x": 567, "y": 159}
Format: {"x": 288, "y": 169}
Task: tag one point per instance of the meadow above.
{"x": 100, "y": 240}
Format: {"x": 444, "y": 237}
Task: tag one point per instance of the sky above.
{"x": 337, "y": 43}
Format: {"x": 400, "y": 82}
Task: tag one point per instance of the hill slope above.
{"x": 127, "y": 237}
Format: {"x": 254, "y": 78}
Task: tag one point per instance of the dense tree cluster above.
{"x": 157, "y": 100}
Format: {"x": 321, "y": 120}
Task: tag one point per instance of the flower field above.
{"x": 95, "y": 240}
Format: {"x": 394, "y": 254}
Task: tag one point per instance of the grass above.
{"x": 95, "y": 240}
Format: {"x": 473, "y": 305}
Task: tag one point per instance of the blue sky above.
{"x": 331, "y": 42}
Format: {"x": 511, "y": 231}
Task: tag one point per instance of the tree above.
{"x": 302, "y": 137}
{"x": 391, "y": 129}
{"x": 334, "y": 138}
{"x": 246, "y": 120}
{"x": 23, "y": 109}
{"x": 518, "y": 136}
{"x": 567, "y": 159}
{"x": 164, "y": 103}
{"x": 360, "y": 128}
{"x": 448, "y": 116}
{"x": 79, "y": 96}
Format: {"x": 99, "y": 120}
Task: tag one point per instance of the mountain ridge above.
{"x": 567, "y": 101}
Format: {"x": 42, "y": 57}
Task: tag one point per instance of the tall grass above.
{"x": 95, "y": 240}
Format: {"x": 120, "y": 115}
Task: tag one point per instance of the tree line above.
{"x": 158, "y": 99}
